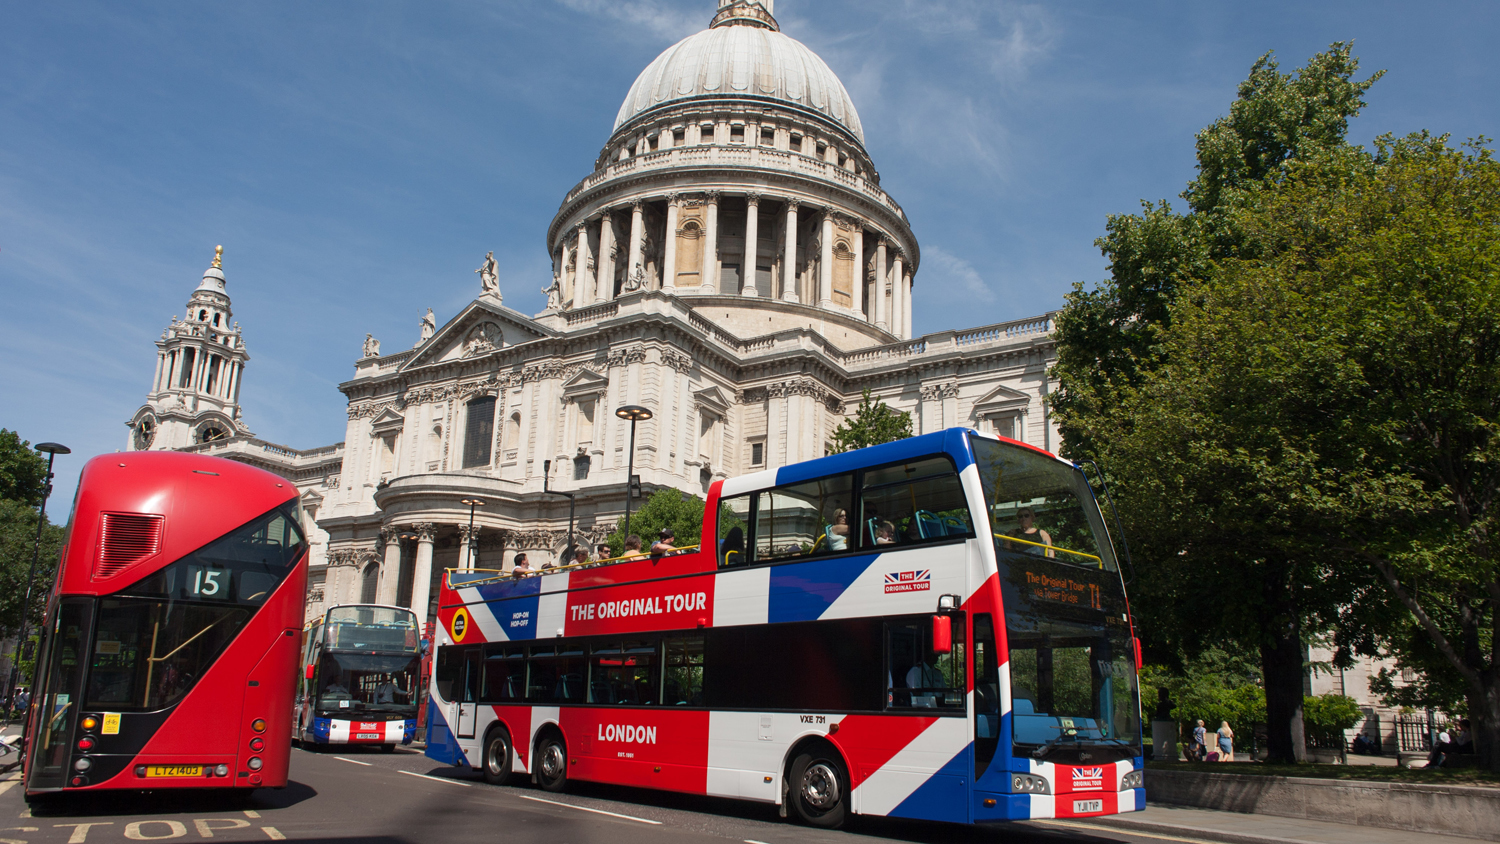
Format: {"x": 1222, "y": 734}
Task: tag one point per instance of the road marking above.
{"x": 751, "y": 841}
{"x": 273, "y": 833}
{"x": 81, "y": 830}
{"x": 437, "y": 779}
{"x": 251, "y": 813}
{"x": 7, "y": 786}
{"x": 355, "y": 761}
{"x": 587, "y": 809}
{"x": 1122, "y": 830}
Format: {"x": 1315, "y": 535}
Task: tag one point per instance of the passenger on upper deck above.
{"x": 663, "y": 543}
{"x": 838, "y": 531}
{"x": 1033, "y": 534}
{"x": 522, "y": 568}
{"x": 633, "y": 547}
{"x": 580, "y": 556}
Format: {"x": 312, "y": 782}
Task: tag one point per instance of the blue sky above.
{"x": 358, "y": 159}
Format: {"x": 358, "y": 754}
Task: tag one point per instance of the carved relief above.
{"x": 482, "y": 338}
{"x": 677, "y": 360}
{"x": 625, "y": 357}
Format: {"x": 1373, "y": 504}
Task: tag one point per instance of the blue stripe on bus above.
{"x": 945, "y": 794}
{"x": 441, "y": 745}
{"x": 952, "y": 441}
{"x": 516, "y": 617}
{"x": 804, "y": 591}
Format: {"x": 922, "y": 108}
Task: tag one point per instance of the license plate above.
{"x": 368, "y": 735}
{"x": 174, "y": 770}
{"x": 1082, "y": 806}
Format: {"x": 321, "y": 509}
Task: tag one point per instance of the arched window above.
{"x": 479, "y": 432}
{"x": 202, "y": 316}
{"x": 369, "y": 583}
{"x": 513, "y": 432}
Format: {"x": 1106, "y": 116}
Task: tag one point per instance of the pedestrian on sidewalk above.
{"x": 1226, "y": 742}
{"x": 1199, "y": 751}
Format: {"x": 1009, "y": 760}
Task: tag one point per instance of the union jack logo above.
{"x": 1088, "y": 773}
{"x": 908, "y": 581}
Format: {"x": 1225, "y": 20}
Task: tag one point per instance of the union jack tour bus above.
{"x": 933, "y": 628}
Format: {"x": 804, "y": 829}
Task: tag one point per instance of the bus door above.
{"x": 468, "y": 696}
{"x": 55, "y": 700}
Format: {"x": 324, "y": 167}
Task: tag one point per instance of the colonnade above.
{"x": 586, "y": 271}
{"x": 224, "y": 371}
{"x": 424, "y": 534}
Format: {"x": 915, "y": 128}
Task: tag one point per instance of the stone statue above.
{"x": 636, "y": 281}
{"x": 489, "y": 275}
{"x": 372, "y": 346}
{"x": 554, "y": 293}
{"x": 429, "y": 327}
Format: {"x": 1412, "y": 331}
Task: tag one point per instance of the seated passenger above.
{"x": 663, "y": 543}
{"x": 522, "y": 567}
{"x": 838, "y": 531}
{"x": 633, "y": 547}
{"x": 885, "y": 534}
{"x": 1035, "y": 537}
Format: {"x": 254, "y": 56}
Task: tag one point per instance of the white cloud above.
{"x": 655, "y": 16}
{"x": 949, "y": 278}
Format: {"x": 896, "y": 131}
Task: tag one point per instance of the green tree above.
{"x": 1330, "y": 404}
{"x": 1203, "y": 487}
{"x": 873, "y": 423}
{"x": 23, "y": 472}
{"x": 17, "y": 545}
{"x": 665, "y": 508}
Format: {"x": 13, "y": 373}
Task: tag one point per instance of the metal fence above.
{"x": 1415, "y": 733}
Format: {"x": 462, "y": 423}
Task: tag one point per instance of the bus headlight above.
{"x": 1028, "y": 784}
{"x": 82, "y": 765}
{"x": 221, "y": 771}
{"x": 254, "y": 763}
{"x": 1134, "y": 779}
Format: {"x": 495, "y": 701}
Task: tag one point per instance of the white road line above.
{"x": 251, "y": 813}
{"x": 437, "y": 779}
{"x": 7, "y": 786}
{"x": 1122, "y": 830}
{"x": 273, "y": 833}
{"x": 355, "y": 761}
{"x": 587, "y": 809}
{"x": 752, "y": 841}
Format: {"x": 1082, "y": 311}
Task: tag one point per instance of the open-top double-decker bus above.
{"x": 931, "y": 628}
{"x": 169, "y": 650}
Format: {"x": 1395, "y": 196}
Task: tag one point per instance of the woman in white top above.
{"x": 838, "y": 532}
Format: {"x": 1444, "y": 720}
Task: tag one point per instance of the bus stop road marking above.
{"x": 1118, "y": 830}
{"x": 355, "y": 761}
{"x": 752, "y": 841}
{"x": 437, "y": 779}
{"x": 587, "y": 809}
{"x": 251, "y": 813}
{"x": 7, "y": 786}
{"x": 273, "y": 833}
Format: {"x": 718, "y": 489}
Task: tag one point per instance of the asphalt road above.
{"x": 405, "y": 798}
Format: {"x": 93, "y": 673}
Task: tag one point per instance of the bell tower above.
{"x": 194, "y": 397}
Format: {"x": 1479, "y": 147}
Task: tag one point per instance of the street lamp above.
{"x": 635, "y": 413}
{"x": 51, "y": 450}
{"x": 572, "y": 502}
{"x": 472, "y": 502}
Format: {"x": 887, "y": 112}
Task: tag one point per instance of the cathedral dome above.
{"x": 741, "y": 58}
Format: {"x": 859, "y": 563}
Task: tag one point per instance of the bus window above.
{"x": 684, "y": 671}
{"x": 623, "y": 673}
{"x": 58, "y": 704}
{"x": 734, "y": 524}
{"x": 555, "y": 674}
{"x": 986, "y": 693}
{"x": 449, "y": 672}
{"x": 504, "y": 674}
{"x": 915, "y": 502}
{"x": 804, "y": 519}
{"x": 147, "y": 654}
{"x": 917, "y": 677}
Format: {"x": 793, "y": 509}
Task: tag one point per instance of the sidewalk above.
{"x": 1237, "y": 828}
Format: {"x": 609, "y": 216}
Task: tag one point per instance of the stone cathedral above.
{"x": 731, "y": 264}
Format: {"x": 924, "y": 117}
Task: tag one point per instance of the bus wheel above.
{"x": 552, "y": 765}
{"x": 497, "y": 765}
{"x": 388, "y": 748}
{"x": 819, "y": 791}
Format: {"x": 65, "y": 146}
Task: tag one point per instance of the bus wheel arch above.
{"x": 816, "y": 783}
{"x": 549, "y": 759}
{"x": 497, "y": 755}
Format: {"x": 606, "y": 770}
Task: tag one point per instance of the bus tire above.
{"x": 552, "y": 764}
{"x": 388, "y": 748}
{"x": 819, "y": 791}
{"x": 496, "y": 761}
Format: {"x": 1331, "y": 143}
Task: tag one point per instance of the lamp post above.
{"x": 635, "y": 413}
{"x": 51, "y": 450}
{"x": 572, "y": 502}
{"x": 472, "y": 502}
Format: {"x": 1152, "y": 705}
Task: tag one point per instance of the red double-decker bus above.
{"x": 169, "y": 651}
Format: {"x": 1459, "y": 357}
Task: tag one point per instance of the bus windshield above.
{"x": 366, "y": 683}
{"x": 1072, "y": 668}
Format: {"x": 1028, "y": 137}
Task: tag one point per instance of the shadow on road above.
{"x": 170, "y": 802}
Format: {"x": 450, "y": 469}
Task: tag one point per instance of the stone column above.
{"x": 710, "y": 277}
{"x": 421, "y": 582}
{"x": 897, "y": 321}
{"x": 390, "y": 570}
{"x": 877, "y": 290}
{"x": 583, "y": 293}
{"x": 906, "y": 304}
{"x": 789, "y": 263}
{"x": 156, "y": 382}
{"x": 825, "y": 262}
{"x": 466, "y": 538}
{"x": 669, "y": 248}
{"x": 858, "y": 291}
{"x": 752, "y": 243}
{"x": 606, "y": 285}
{"x": 637, "y": 236}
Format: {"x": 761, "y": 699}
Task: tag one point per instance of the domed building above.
{"x": 731, "y": 264}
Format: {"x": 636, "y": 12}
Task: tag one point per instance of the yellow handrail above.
{"x": 501, "y": 574}
{"x": 1050, "y": 547}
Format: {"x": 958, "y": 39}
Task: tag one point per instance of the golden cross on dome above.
{"x": 218, "y": 257}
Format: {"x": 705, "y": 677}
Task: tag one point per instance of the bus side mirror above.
{"x": 309, "y": 672}
{"x": 942, "y": 634}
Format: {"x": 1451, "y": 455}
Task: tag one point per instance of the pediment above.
{"x": 389, "y": 421}
{"x": 585, "y": 382}
{"x": 479, "y": 329}
{"x": 712, "y": 398}
{"x": 1002, "y": 398}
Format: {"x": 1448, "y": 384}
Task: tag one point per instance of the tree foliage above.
{"x": 665, "y": 508}
{"x": 23, "y": 472}
{"x": 872, "y": 424}
{"x": 1216, "y": 501}
{"x": 17, "y": 545}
